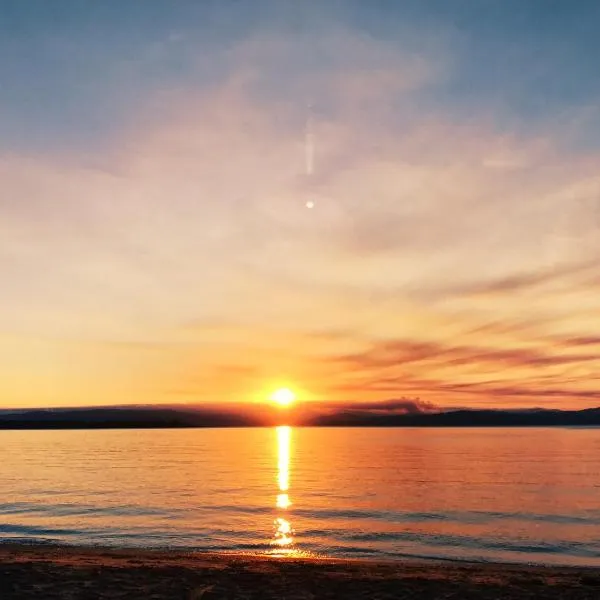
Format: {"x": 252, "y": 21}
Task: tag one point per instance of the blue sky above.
{"x": 72, "y": 73}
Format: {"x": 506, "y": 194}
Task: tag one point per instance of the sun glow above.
{"x": 283, "y": 397}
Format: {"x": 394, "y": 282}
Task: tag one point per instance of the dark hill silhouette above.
{"x": 116, "y": 418}
{"x": 466, "y": 418}
{"x": 175, "y": 417}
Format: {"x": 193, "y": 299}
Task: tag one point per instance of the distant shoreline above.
{"x": 52, "y": 571}
{"x": 148, "y": 417}
{"x": 95, "y": 427}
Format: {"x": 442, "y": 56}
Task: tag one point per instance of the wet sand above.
{"x": 53, "y": 572}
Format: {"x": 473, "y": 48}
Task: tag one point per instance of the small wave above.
{"x": 232, "y": 509}
{"x": 32, "y": 531}
{"x": 468, "y": 517}
{"x": 475, "y": 543}
{"x": 65, "y": 509}
{"x": 29, "y": 541}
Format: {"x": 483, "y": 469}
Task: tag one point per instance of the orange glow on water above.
{"x": 444, "y": 472}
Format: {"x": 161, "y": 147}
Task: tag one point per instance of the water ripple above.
{"x": 450, "y": 495}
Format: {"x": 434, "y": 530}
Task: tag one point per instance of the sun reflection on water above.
{"x": 283, "y": 535}
{"x": 283, "y": 501}
{"x": 283, "y": 532}
{"x": 284, "y": 435}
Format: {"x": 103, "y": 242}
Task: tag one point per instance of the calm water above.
{"x": 529, "y": 495}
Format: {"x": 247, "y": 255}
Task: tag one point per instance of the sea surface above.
{"x": 514, "y": 495}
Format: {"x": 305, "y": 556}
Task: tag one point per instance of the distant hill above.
{"x": 165, "y": 417}
{"x": 121, "y": 418}
{"x": 466, "y": 418}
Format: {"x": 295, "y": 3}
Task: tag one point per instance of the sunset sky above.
{"x": 156, "y": 247}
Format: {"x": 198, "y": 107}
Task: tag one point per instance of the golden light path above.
{"x": 283, "y": 536}
{"x": 283, "y": 458}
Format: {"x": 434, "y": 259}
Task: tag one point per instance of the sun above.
{"x": 283, "y": 396}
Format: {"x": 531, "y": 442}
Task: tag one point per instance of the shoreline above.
{"x": 57, "y": 571}
{"x": 178, "y": 552}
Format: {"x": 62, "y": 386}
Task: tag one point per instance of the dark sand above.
{"x": 50, "y": 572}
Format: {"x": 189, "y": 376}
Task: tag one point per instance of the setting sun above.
{"x": 283, "y": 396}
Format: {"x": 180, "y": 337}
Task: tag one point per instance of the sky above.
{"x": 155, "y": 240}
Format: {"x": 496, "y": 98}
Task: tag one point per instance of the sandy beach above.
{"x": 53, "y": 572}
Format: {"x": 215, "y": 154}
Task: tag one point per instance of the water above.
{"x": 517, "y": 495}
